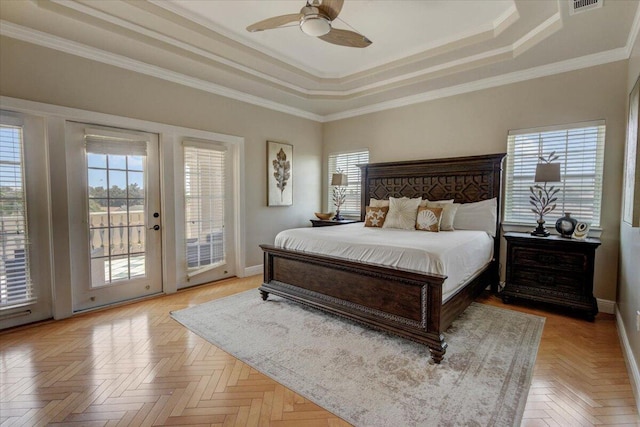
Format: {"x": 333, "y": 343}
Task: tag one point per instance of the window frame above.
{"x": 353, "y": 189}
{"x": 516, "y": 190}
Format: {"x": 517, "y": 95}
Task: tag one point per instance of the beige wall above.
{"x": 478, "y": 122}
{"x": 629, "y": 280}
{"x": 38, "y": 74}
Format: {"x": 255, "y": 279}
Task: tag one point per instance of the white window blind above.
{"x": 346, "y": 163}
{"x": 16, "y": 287}
{"x": 204, "y": 177}
{"x": 581, "y": 150}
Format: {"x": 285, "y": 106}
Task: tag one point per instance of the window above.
{"x": 16, "y": 287}
{"x": 204, "y": 177}
{"x": 347, "y": 163}
{"x": 581, "y": 150}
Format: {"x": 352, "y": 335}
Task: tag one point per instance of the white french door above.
{"x": 115, "y": 215}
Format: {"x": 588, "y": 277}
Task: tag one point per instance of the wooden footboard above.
{"x": 402, "y": 302}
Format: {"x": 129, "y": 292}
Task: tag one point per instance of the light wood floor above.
{"x": 133, "y": 365}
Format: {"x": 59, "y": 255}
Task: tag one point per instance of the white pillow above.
{"x": 375, "y": 203}
{"x": 402, "y": 213}
{"x": 425, "y": 202}
{"x": 477, "y": 216}
{"x": 449, "y": 210}
{"x": 439, "y": 201}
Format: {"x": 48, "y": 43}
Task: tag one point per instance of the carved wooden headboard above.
{"x": 464, "y": 179}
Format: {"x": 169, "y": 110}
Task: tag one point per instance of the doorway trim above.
{"x": 170, "y": 136}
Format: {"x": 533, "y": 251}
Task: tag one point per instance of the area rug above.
{"x": 370, "y": 378}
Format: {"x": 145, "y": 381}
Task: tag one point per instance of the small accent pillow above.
{"x": 375, "y": 203}
{"x": 374, "y": 216}
{"x": 428, "y": 219}
{"x": 402, "y": 213}
{"x": 449, "y": 210}
{"x": 477, "y": 216}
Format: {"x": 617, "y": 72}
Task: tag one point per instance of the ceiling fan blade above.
{"x": 275, "y": 22}
{"x": 331, "y": 8}
{"x": 346, "y": 38}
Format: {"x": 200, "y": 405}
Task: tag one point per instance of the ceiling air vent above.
{"x": 577, "y": 6}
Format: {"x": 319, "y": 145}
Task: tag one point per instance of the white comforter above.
{"x": 457, "y": 254}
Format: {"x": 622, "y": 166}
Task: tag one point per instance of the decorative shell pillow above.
{"x": 374, "y": 216}
{"x": 428, "y": 218}
{"x": 402, "y": 213}
{"x": 449, "y": 210}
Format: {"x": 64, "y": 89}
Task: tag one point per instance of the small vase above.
{"x": 566, "y": 225}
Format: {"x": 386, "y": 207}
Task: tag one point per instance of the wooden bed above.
{"x": 402, "y": 302}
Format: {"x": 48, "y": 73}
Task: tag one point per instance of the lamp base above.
{"x": 540, "y": 231}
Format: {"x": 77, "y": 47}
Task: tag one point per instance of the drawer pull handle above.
{"x": 546, "y": 280}
{"x": 547, "y": 259}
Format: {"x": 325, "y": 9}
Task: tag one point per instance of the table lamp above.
{"x": 542, "y": 198}
{"x": 339, "y": 181}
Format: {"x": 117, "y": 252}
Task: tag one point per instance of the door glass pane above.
{"x": 117, "y": 162}
{"x": 117, "y": 217}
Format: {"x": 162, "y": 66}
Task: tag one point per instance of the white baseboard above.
{"x": 253, "y": 270}
{"x": 606, "y": 306}
{"x": 629, "y": 358}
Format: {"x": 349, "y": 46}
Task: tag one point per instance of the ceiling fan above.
{"x": 315, "y": 19}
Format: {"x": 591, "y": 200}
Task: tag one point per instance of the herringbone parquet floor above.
{"x": 133, "y": 365}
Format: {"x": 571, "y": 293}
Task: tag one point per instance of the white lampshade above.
{"x": 547, "y": 172}
{"x": 315, "y": 25}
{"x": 339, "y": 179}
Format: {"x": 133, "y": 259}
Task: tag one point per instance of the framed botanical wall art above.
{"x": 631, "y": 185}
{"x": 279, "y": 174}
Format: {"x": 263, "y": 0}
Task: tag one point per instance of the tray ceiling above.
{"x": 421, "y": 49}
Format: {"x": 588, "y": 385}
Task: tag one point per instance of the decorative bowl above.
{"x": 324, "y": 215}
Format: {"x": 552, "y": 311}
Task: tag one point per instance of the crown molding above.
{"x": 177, "y": 43}
{"x": 508, "y": 17}
{"x": 39, "y": 38}
{"x": 633, "y": 34}
{"x": 504, "y": 79}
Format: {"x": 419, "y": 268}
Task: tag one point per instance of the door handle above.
{"x": 155, "y": 227}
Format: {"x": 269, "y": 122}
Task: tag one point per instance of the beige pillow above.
{"x": 402, "y": 213}
{"x": 375, "y": 203}
{"x": 449, "y": 210}
{"x": 429, "y": 218}
{"x": 425, "y": 202}
{"x": 374, "y": 216}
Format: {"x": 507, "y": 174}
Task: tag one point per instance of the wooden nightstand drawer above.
{"x": 555, "y": 260}
{"x": 552, "y": 270}
{"x": 550, "y": 280}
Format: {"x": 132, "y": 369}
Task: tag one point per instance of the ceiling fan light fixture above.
{"x": 315, "y": 25}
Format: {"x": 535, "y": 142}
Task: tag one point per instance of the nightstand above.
{"x": 330, "y": 222}
{"x": 553, "y": 270}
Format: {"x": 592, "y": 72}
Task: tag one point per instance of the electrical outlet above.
{"x": 638, "y": 320}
